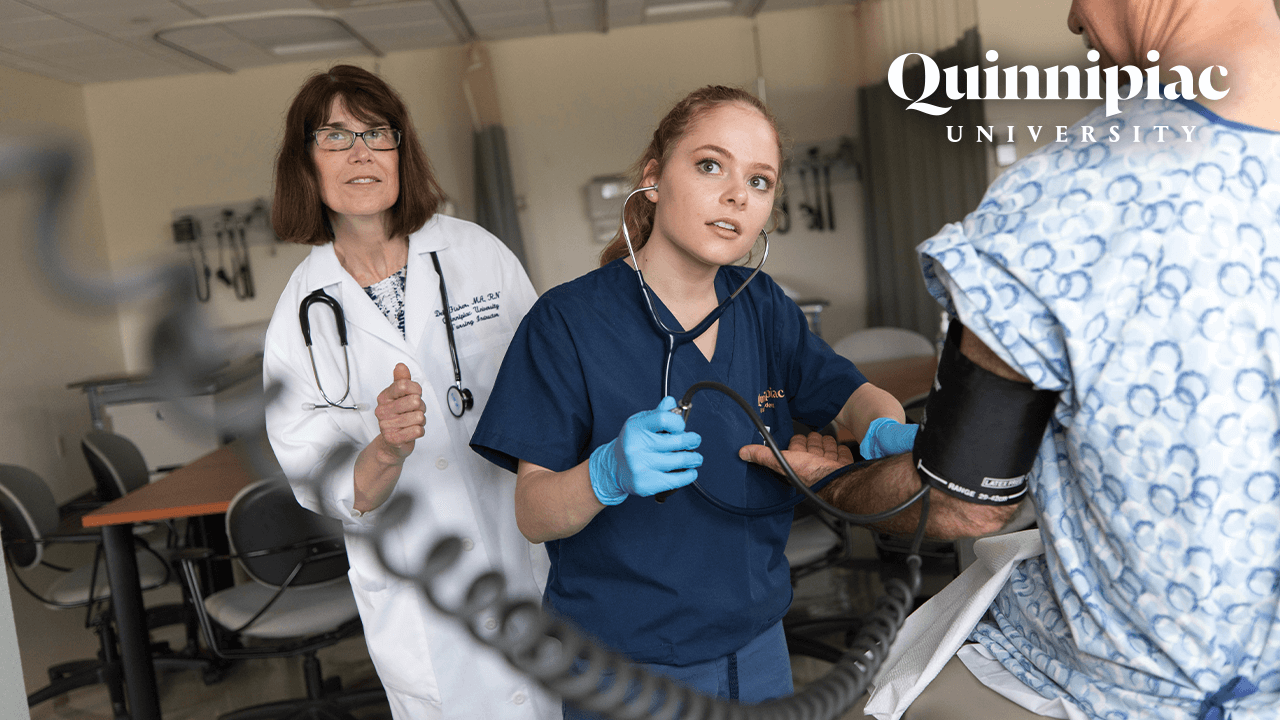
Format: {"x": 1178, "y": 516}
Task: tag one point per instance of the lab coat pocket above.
{"x": 394, "y": 617}
{"x": 360, "y": 426}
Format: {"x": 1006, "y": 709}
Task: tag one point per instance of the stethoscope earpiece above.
{"x": 674, "y": 337}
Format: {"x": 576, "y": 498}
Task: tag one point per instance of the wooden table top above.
{"x": 204, "y": 486}
{"x": 904, "y": 378}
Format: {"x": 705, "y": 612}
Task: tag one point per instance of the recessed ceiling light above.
{"x": 320, "y": 46}
{"x": 694, "y": 6}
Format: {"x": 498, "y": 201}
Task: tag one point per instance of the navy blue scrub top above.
{"x": 678, "y": 582}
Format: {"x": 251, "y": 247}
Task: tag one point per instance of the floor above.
{"x": 48, "y": 636}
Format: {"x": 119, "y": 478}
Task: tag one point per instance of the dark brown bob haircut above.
{"x": 298, "y": 214}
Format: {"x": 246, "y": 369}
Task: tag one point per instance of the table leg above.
{"x": 131, "y": 623}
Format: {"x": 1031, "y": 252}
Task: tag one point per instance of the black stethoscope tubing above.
{"x": 459, "y": 398}
{"x": 339, "y": 319}
{"x": 684, "y": 404}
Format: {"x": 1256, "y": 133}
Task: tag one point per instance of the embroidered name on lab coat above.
{"x": 481, "y": 308}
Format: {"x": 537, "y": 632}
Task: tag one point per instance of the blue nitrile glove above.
{"x": 885, "y": 437}
{"x": 646, "y": 458}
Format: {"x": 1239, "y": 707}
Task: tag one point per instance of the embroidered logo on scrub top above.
{"x": 482, "y": 307}
{"x": 766, "y": 398}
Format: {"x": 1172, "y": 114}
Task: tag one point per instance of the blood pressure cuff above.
{"x": 981, "y": 432}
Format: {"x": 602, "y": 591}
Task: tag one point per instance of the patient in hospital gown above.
{"x": 1142, "y": 280}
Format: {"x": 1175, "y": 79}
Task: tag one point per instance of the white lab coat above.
{"x": 418, "y": 652}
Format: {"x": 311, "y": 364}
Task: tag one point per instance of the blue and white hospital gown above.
{"x": 1141, "y": 280}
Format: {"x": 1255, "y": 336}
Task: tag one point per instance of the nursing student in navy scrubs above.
{"x": 578, "y": 411}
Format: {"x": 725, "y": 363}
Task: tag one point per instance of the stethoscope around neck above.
{"x": 676, "y": 338}
{"x": 459, "y": 398}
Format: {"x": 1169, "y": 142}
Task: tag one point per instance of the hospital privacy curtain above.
{"x": 915, "y": 182}
{"x": 494, "y": 190}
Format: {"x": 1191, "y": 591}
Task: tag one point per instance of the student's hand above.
{"x": 647, "y": 457}
{"x": 812, "y": 457}
{"x": 885, "y": 437}
{"x": 401, "y": 416}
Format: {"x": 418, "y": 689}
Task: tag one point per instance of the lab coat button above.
{"x": 490, "y": 624}
{"x": 467, "y": 544}
{"x": 442, "y": 463}
{"x": 518, "y": 698}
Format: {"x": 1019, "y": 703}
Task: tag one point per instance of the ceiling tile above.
{"x": 39, "y": 30}
{"x": 10, "y": 10}
{"x": 136, "y": 21}
{"x": 101, "y": 40}
{"x": 84, "y": 47}
{"x": 274, "y": 31}
{"x": 489, "y": 7}
{"x": 532, "y": 20}
{"x": 409, "y": 37}
{"x": 624, "y": 13}
{"x": 212, "y": 8}
{"x": 18, "y": 61}
{"x": 132, "y": 64}
{"x": 575, "y": 17}
{"x": 201, "y": 36}
{"x": 392, "y": 15}
{"x": 238, "y": 55}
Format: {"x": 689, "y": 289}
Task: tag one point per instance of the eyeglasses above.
{"x": 381, "y": 138}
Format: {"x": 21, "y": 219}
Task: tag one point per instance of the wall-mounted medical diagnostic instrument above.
{"x": 235, "y": 227}
{"x": 819, "y": 167}
{"x": 243, "y": 273}
{"x": 237, "y": 275}
{"x": 186, "y": 231}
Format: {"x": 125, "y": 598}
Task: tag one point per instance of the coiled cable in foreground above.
{"x": 560, "y": 657}
{"x": 548, "y": 649}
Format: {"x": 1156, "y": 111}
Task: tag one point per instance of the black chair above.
{"x": 118, "y": 468}
{"x": 29, "y": 523}
{"x": 297, "y": 602}
{"x": 117, "y": 465}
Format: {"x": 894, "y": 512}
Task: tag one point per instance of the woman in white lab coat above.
{"x": 352, "y": 180}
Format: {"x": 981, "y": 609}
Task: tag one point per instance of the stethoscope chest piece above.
{"x": 460, "y": 400}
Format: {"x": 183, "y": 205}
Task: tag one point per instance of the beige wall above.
{"x": 1031, "y": 34}
{"x": 583, "y": 105}
{"x": 208, "y": 139}
{"x": 574, "y": 106}
{"x": 45, "y": 341}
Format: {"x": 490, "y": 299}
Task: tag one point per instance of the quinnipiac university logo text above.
{"x": 1024, "y": 83}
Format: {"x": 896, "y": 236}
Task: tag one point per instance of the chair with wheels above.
{"x": 817, "y": 542}
{"x": 298, "y": 599}
{"x": 118, "y": 468}
{"x": 29, "y": 524}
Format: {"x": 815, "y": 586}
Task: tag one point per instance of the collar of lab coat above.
{"x": 422, "y": 287}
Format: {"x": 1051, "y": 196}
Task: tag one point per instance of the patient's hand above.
{"x": 812, "y": 457}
